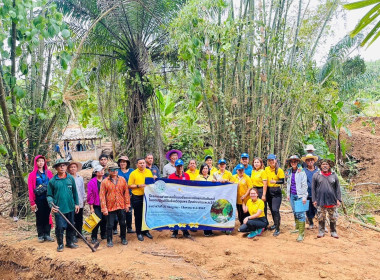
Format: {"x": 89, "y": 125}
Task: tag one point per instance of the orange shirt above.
{"x": 114, "y": 197}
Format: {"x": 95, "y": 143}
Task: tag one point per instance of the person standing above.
{"x": 151, "y": 166}
{"x": 222, "y": 175}
{"x": 192, "y": 170}
{"x": 136, "y": 182}
{"x": 276, "y": 177}
{"x": 244, "y": 185}
{"x": 115, "y": 202}
{"x": 326, "y": 196}
{"x": 211, "y": 168}
{"x": 296, "y": 181}
{"x": 38, "y": 181}
{"x": 93, "y": 200}
{"x": 255, "y": 222}
{"x": 125, "y": 171}
{"x": 169, "y": 168}
{"x": 205, "y": 176}
{"x": 62, "y": 195}
{"x": 179, "y": 175}
{"x": 244, "y": 160}
{"x": 259, "y": 181}
{"x": 57, "y": 149}
{"x": 310, "y": 170}
{"x": 73, "y": 168}
{"x": 309, "y": 149}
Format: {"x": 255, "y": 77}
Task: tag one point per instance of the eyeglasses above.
{"x": 113, "y": 170}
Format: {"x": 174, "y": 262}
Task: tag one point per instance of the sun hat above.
{"x": 240, "y": 166}
{"x": 79, "y": 165}
{"x": 207, "y": 157}
{"x": 179, "y": 162}
{"x": 59, "y": 162}
{"x": 222, "y": 161}
{"x": 310, "y": 147}
{"x": 293, "y": 157}
{"x": 271, "y": 156}
{"x": 244, "y": 155}
{"x": 168, "y": 154}
{"x": 123, "y": 158}
{"x": 97, "y": 168}
{"x": 112, "y": 166}
{"x": 309, "y": 156}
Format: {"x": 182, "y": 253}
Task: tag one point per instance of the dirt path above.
{"x": 353, "y": 256}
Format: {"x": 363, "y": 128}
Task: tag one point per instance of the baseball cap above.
{"x": 178, "y": 162}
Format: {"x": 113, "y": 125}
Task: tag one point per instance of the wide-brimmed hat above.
{"x": 124, "y": 158}
{"x": 329, "y": 161}
{"x": 112, "y": 165}
{"x": 59, "y": 162}
{"x": 293, "y": 157}
{"x": 309, "y": 156}
{"x": 168, "y": 154}
{"x": 310, "y": 147}
{"x": 79, "y": 165}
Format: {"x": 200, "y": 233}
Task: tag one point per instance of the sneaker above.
{"x": 124, "y": 241}
{"x": 174, "y": 235}
{"x": 72, "y": 246}
{"x": 75, "y": 239}
{"x": 272, "y": 227}
{"x": 60, "y": 248}
{"x": 115, "y": 232}
{"x": 41, "y": 239}
{"x": 48, "y": 238}
{"x": 260, "y": 231}
{"x": 276, "y": 233}
{"x": 94, "y": 240}
{"x": 186, "y": 235}
{"x": 252, "y": 234}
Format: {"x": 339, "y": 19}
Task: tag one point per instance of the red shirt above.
{"x": 184, "y": 176}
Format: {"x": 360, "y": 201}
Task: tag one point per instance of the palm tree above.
{"x": 132, "y": 33}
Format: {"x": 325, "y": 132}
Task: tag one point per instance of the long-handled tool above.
{"x": 93, "y": 248}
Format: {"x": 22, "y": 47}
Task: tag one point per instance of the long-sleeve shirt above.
{"x": 63, "y": 193}
{"x": 325, "y": 189}
{"x": 80, "y": 189}
{"x": 93, "y": 192}
{"x": 114, "y": 196}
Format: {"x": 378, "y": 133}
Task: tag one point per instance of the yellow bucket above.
{"x": 90, "y": 222}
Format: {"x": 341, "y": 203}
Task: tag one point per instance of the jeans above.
{"x": 241, "y": 214}
{"x": 261, "y": 191}
{"x": 111, "y": 218}
{"x": 297, "y": 215}
{"x": 274, "y": 198}
{"x": 254, "y": 224}
{"x": 102, "y": 224}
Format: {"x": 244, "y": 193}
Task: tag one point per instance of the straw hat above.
{"x": 309, "y": 156}
{"x": 79, "y": 165}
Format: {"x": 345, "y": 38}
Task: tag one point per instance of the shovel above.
{"x": 93, "y": 248}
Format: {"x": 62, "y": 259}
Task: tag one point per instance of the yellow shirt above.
{"x": 227, "y": 175}
{"x": 244, "y": 184}
{"x": 213, "y": 169}
{"x": 137, "y": 177}
{"x": 258, "y": 177}
{"x": 201, "y": 178}
{"x": 272, "y": 176}
{"x": 253, "y": 207}
{"x": 193, "y": 176}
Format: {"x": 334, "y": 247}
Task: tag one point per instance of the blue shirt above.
{"x": 126, "y": 176}
{"x": 248, "y": 170}
{"x": 309, "y": 175}
{"x": 41, "y": 179}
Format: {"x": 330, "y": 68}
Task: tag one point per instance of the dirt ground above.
{"x": 355, "y": 255}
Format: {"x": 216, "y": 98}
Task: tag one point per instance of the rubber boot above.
{"x": 301, "y": 232}
{"x": 109, "y": 238}
{"x": 321, "y": 229}
{"x": 333, "y": 230}
{"x": 70, "y": 241}
{"x": 59, "y": 237}
{"x": 296, "y": 230}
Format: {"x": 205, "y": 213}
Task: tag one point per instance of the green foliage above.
{"x": 319, "y": 144}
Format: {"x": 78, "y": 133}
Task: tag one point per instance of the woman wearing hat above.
{"x": 259, "y": 180}
{"x": 38, "y": 180}
{"x": 296, "y": 182}
{"x": 73, "y": 168}
{"x": 169, "y": 168}
{"x": 244, "y": 185}
{"x": 310, "y": 170}
{"x": 124, "y": 172}
{"x": 276, "y": 177}
{"x": 222, "y": 175}
{"x": 326, "y": 196}
{"x": 93, "y": 190}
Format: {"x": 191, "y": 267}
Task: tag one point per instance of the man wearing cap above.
{"x": 73, "y": 168}
{"x": 136, "y": 182}
{"x": 150, "y": 165}
{"x": 211, "y": 168}
{"x": 309, "y": 149}
{"x": 179, "y": 175}
{"x": 244, "y": 160}
{"x": 62, "y": 194}
{"x": 310, "y": 170}
{"x": 244, "y": 183}
{"x": 326, "y": 196}
{"x": 115, "y": 202}
{"x": 222, "y": 175}
{"x": 169, "y": 168}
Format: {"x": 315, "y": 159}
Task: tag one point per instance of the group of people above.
{"x": 116, "y": 189}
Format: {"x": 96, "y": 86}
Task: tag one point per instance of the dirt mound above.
{"x": 353, "y": 256}
{"x": 363, "y": 145}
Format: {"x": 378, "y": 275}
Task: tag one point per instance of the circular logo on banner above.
{"x": 221, "y": 211}
{"x": 160, "y": 186}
